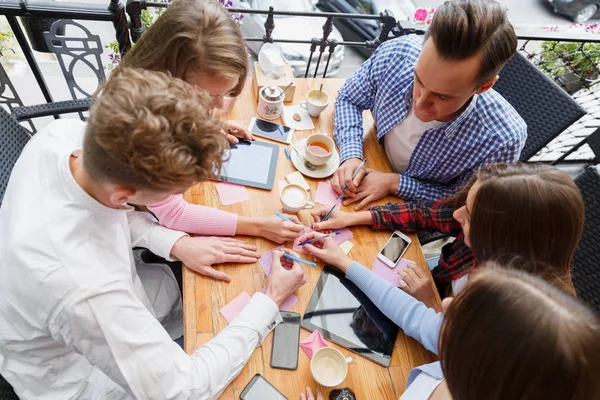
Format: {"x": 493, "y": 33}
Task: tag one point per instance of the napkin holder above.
{"x": 261, "y": 80}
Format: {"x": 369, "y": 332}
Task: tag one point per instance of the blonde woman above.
{"x": 199, "y": 42}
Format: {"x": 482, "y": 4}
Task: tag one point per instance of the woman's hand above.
{"x": 234, "y": 129}
{"x": 327, "y": 250}
{"x": 339, "y": 219}
{"x": 279, "y": 231}
{"x": 419, "y": 285}
{"x": 310, "y": 396}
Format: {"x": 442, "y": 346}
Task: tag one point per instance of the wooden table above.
{"x": 204, "y": 297}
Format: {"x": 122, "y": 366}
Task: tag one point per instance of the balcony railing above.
{"x": 572, "y": 64}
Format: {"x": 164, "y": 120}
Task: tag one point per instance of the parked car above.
{"x": 293, "y": 27}
{"x": 361, "y": 30}
{"x": 578, "y": 10}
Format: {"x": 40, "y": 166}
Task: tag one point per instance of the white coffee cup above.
{"x": 316, "y": 101}
{"x": 294, "y": 198}
{"x": 329, "y": 367}
{"x": 319, "y": 149}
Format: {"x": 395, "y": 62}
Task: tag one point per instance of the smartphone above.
{"x": 286, "y": 341}
{"x": 261, "y": 389}
{"x": 271, "y": 130}
{"x": 394, "y": 249}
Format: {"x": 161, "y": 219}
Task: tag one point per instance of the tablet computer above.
{"x": 345, "y": 315}
{"x": 271, "y": 130}
{"x": 250, "y": 164}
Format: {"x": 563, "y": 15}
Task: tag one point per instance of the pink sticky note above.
{"x": 233, "y": 308}
{"x": 312, "y": 343}
{"x": 231, "y": 194}
{"x": 266, "y": 259}
{"x": 390, "y": 274}
{"x": 345, "y": 234}
{"x": 288, "y": 303}
{"x": 325, "y": 194}
{"x": 281, "y": 184}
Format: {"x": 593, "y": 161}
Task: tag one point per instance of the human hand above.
{"x": 200, "y": 253}
{"x": 278, "y": 230}
{"x": 343, "y": 176}
{"x": 285, "y": 277}
{"x": 327, "y": 250}
{"x": 309, "y": 395}
{"x": 233, "y": 129}
{"x": 374, "y": 186}
{"x": 419, "y": 285}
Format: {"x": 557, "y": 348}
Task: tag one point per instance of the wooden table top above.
{"x": 204, "y": 297}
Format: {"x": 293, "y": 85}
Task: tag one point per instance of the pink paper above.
{"x": 390, "y": 274}
{"x": 231, "y": 194}
{"x": 345, "y": 234}
{"x": 288, "y": 303}
{"x": 325, "y": 194}
{"x": 281, "y": 184}
{"x": 233, "y": 308}
{"x": 312, "y": 343}
{"x": 266, "y": 259}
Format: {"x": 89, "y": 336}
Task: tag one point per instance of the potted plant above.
{"x": 35, "y": 28}
{"x": 572, "y": 65}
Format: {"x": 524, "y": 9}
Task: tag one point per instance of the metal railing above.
{"x": 572, "y": 64}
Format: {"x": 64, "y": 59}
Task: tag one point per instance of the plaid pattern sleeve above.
{"x": 455, "y": 261}
{"x": 416, "y": 216}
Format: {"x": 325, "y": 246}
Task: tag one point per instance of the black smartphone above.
{"x": 261, "y": 389}
{"x": 286, "y": 341}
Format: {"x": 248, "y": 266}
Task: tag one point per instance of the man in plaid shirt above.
{"x": 433, "y": 107}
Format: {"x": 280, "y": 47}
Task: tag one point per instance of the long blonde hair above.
{"x": 193, "y": 36}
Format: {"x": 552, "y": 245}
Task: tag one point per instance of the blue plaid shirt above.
{"x": 488, "y": 131}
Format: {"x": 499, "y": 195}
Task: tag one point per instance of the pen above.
{"x": 319, "y": 238}
{"x": 300, "y": 260}
{"x": 355, "y": 173}
{"x": 343, "y": 188}
{"x": 283, "y": 217}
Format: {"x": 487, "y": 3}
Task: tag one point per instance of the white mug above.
{"x": 328, "y": 367}
{"x": 294, "y": 198}
{"x": 316, "y": 101}
{"x": 319, "y": 149}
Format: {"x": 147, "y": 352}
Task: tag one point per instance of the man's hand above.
{"x": 327, "y": 250}
{"x": 285, "y": 277}
{"x": 338, "y": 219}
{"x": 419, "y": 285}
{"x": 233, "y": 129}
{"x": 374, "y": 186}
{"x": 343, "y": 176}
{"x": 310, "y": 396}
{"x": 200, "y": 253}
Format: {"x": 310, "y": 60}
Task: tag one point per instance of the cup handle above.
{"x": 309, "y": 205}
{"x": 303, "y": 104}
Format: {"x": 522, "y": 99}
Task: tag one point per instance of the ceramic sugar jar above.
{"x": 270, "y": 102}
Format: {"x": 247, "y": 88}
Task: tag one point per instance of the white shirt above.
{"x": 402, "y": 139}
{"x": 75, "y": 321}
{"x": 421, "y": 388}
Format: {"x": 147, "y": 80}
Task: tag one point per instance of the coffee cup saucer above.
{"x": 322, "y": 171}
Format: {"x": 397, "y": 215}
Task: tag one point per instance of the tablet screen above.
{"x": 251, "y": 164}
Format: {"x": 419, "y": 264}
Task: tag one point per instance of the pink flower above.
{"x": 421, "y": 14}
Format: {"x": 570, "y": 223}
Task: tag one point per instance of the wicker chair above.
{"x": 586, "y": 260}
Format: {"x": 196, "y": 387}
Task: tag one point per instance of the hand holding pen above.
{"x": 361, "y": 165}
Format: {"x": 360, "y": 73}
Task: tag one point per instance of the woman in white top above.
{"x": 509, "y": 335}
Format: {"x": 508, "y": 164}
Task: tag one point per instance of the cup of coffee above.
{"x": 329, "y": 367}
{"x": 316, "y": 101}
{"x": 294, "y": 198}
{"x": 319, "y": 149}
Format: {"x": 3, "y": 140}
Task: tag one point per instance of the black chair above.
{"x": 585, "y": 268}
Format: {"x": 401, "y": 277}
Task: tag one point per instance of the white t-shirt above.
{"x": 402, "y": 139}
{"x": 421, "y": 388}
{"x": 75, "y": 320}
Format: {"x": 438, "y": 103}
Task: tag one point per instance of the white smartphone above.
{"x": 271, "y": 130}
{"x": 394, "y": 249}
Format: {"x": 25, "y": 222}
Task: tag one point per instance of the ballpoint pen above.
{"x": 300, "y": 260}
{"x": 318, "y": 238}
{"x": 343, "y": 188}
{"x": 282, "y": 216}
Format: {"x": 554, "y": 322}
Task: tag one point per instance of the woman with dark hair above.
{"x": 529, "y": 214}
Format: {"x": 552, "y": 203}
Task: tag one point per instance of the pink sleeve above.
{"x": 178, "y": 214}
